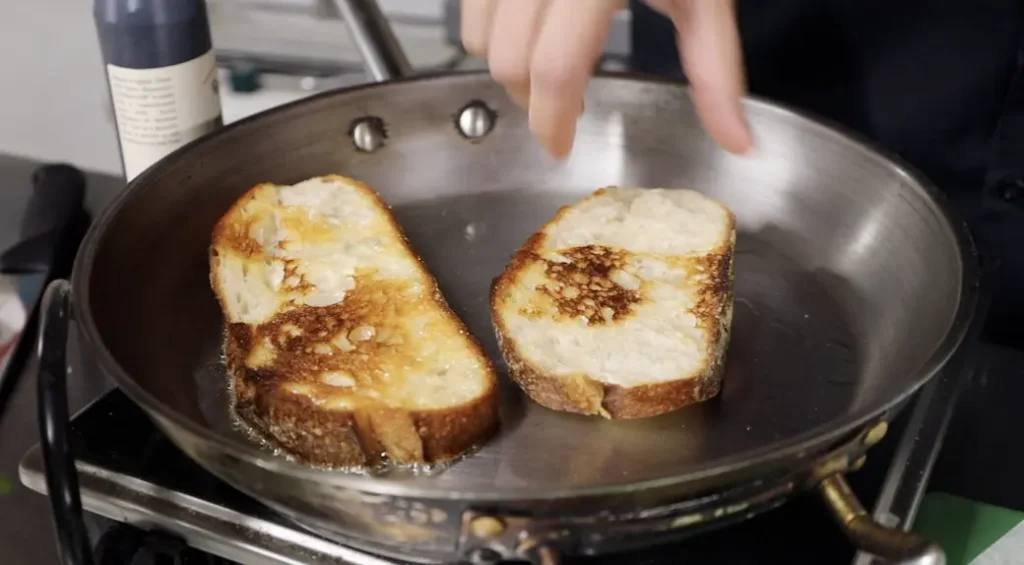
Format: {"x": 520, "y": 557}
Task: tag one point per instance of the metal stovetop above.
{"x": 131, "y": 473}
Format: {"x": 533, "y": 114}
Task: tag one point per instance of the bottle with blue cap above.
{"x": 162, "y": 74}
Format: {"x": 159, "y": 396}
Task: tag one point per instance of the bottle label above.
{"x": 159, "y": 110}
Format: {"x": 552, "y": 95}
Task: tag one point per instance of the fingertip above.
{"x": 743, "y": 140}
{"x": 740, "y": 142}
{"x": 476, "y": 19}
{"x": 561, "y": 149}
{"x": 722, "y": 115}
{"x": 712, "y": 56}
{"x": 553, "y": 121}
{"x": 557, "y": 143}
{"x": 737, "y": 140}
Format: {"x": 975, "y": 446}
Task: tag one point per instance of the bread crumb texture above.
{"x": 621, "y": 304}
{"x": 341, "y": 349}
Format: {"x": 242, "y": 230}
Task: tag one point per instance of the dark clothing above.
{"x": 937, "y": 82}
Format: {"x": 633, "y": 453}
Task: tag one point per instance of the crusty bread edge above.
{"x": 582, "y": 394}
{"x": 351, "y": 438}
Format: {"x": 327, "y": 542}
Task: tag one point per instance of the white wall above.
{"x": 53, "y": 103}
{"x": 53, "y": 97}
{"x": 52, "y": 92}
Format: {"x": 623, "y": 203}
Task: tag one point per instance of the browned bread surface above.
{"x": 620, "y": 306}
{"x": 340, "y": 348}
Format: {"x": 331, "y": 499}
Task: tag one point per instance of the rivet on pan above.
{"x": 475, "y": 120}
{"x": 859, "y": 463}
{"x": 876, "y": 433}
{"x": 368, "y": 134}
{"x": 485, "y": 527}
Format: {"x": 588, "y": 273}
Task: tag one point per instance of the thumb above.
{"x": 709, "y": 47}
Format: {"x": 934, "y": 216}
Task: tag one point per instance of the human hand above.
{"x": 543, "y": 52}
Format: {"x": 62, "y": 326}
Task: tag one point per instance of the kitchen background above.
{"x": 55, "y": 105}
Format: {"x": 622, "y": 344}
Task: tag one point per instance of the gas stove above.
{"x": 149, "y": 503}
{"x": 158, "y": 502}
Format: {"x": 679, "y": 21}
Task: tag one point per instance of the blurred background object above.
{"x": 55, "y": 105}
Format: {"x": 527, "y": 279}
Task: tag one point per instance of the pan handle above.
{"x": 895, "y": 546}
{"x": 52, "y": 408}
{"x": 385, "y": 60}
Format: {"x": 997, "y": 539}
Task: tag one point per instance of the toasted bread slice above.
{"x": 340, "y": 348}
{"x": 621, "y": 305}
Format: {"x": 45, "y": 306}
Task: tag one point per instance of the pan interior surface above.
{"x": 848, "y": 274}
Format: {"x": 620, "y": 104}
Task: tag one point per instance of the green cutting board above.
{"x": 964, "y": 528}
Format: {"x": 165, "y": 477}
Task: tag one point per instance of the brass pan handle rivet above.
{"x": 475, "y": 120}
{"x": 876, "y": 433}
{"x": 485, "y": 527}
{"x": 368, "y": 134}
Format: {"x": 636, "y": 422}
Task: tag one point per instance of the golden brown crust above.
{"x": 233, "y": 229}
{"x": 346, "y": 438}
{"x": 582, "y": 394}
{"x": 583, "y": 285}
{"x": 370, "y": 430}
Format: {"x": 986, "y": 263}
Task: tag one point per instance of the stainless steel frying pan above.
{"x": 853, "y": 287}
